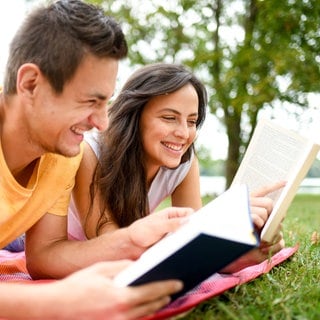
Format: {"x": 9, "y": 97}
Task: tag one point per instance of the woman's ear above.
{"x": 27, "y": 79}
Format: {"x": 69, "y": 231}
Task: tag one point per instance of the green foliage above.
{"x": 250, "y": 54}
{"x": 290, "y": 290}
{"x": 314, "y": 171}
{"x": 208, "y": 166}
{"x": 212, "y": 168}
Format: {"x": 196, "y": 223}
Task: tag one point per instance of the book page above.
{"x": 272, "y": 156}
{"x": 276, "y": 154}
{"x": 226, "y": 217}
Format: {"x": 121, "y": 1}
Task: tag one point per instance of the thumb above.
{"x": 110, "y": 268}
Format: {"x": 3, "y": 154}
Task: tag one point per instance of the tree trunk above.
{"x": 233, "y": 125}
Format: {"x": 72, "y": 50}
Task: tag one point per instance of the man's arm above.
{"x": 50, "y": 254}
{"x": 68, "y": 298}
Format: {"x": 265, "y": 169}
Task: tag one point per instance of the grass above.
{"x": 290, "y": 290}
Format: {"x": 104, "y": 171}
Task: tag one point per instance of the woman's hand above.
{"x": 261, "y": 208}
{"x": 261, "y": 205}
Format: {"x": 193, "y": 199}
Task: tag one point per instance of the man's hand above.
{"x": 91, "y": 294}
{"x": 148, "y": 230}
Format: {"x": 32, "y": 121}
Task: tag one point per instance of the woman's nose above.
{"x": 182, "y": 130}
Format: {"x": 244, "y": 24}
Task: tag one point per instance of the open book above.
{"x": 276, "y": 154}
{"x": 213, "y": 237}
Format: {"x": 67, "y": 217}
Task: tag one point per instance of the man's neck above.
{"x": 24, "y": 175}
{"x": 20, "y": 155}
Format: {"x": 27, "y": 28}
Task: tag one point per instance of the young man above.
{"x": 61, "y": 72}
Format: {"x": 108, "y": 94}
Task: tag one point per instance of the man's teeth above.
{"x": 77, "y": 130}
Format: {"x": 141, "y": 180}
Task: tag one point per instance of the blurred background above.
{"x": 257, "y": 58}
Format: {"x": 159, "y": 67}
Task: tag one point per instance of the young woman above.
{"x": 146, "y": 155}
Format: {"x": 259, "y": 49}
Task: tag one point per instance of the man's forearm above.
{"x": 62, "y": 257}
{"x": 27, "y": 301}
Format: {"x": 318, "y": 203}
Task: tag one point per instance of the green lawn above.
{"x": 290, "y": 290}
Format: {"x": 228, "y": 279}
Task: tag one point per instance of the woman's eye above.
{"x": 192, "y": 122}
{"x": 168, "y": 118}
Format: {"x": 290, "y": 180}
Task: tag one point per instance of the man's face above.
{"x": 58, "y": 122}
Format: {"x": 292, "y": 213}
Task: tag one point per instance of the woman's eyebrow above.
{"x": 177, "y": 112}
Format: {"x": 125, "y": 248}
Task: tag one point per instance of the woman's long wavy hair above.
{"x": 120, "y": 177}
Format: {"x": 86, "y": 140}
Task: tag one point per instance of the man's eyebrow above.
{"x": 99, "y": 96}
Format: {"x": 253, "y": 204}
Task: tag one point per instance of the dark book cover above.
{"x": 196, "y": 261}
{"x": 213, "y": 237}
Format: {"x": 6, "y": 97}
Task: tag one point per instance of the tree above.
{"x": 271, "y": 56}
{"x": 208, "y": 166}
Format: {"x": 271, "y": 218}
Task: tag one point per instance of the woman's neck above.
{"x": 151, "y": 173}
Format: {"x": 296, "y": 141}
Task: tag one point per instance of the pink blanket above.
{"x": 13, "y": 268}
{"x": 218, "y": 283}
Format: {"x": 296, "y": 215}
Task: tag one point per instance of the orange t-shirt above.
{"x": 48, "y": 191}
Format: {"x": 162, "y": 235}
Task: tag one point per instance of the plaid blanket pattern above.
{"x": 13, "y": 268}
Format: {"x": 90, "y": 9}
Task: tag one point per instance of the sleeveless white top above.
{"x": 162, "y": 186}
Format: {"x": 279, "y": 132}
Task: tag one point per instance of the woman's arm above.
{"x": 187, "y": 194}
{"x": 81, "y": 193}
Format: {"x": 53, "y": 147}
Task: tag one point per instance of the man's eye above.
{"x": 92, "y": 102}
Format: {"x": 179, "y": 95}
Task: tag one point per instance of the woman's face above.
{"x": 168, "y": 128}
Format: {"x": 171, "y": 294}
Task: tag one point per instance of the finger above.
{"x": 263, "y": 191}
{"x": 274, "y": 248}
{"x": 155, "y": 290}
{"x": 174, "y": 223}
{"x": 258, "y": 221}
{"x": 175, "y": 212}
{"x": 109, "y": 268}
{"x": 262, "y": 202}
{"x": 278, "y": 237}
{"x": 148, "y": 230}
{"x": 147, "y": 309}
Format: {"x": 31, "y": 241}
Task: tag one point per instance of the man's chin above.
{"x": 69, "y": 153}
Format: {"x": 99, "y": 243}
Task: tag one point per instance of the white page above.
{"x": 272, "y": 156}
{"x": 228, "y": 216}
{"x": 276, "y": 154}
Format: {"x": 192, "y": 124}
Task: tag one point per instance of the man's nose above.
{"x": 99, "y": 119}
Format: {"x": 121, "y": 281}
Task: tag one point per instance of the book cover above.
{"x": 214, "y": 236}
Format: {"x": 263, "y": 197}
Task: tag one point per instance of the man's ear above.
{"x": 28, "y": 78}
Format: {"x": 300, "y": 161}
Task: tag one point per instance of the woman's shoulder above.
{"x": 92, "y": 139}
